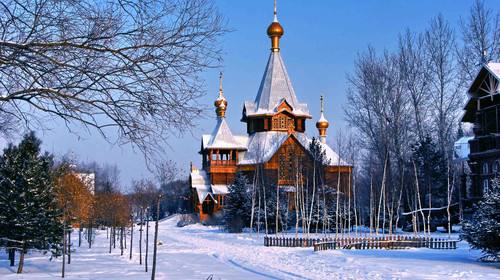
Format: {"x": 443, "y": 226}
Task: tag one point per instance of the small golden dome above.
{"x": 322, "y": 124}
{"x": 275, "y": 30}
{"x": 221, "y": 102}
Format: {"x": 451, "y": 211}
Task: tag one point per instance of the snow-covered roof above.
{"x": 494, "y": 68}
{"x": 263, "y": 145}
{"x": 275, "y": 87}
{"x": 223, "y": 138}
{"x": 201, "y": 183}
{"x": 470, "y": 107}
{"x": 220, "y": 189}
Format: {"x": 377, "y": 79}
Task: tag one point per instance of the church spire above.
{"x": 275, "y": 31}
{"x": 322, "y": 124}
{"x": 221, "y": 102}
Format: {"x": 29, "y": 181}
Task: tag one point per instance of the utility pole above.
{"x": 153, "y": 271}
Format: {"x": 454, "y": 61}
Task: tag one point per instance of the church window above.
{"x": 283, "y": 122}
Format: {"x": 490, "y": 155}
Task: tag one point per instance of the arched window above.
{"x": 486, "y": 186}
{"x": 485, "y": 168}
{"x": 496, "y": 167}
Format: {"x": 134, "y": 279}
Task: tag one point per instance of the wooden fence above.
{"x": 361, "y": 243}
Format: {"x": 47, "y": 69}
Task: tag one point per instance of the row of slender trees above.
{"x": 43, "y": 201}
{"x": 403, "y": 110}
{"x": 404, "y": 107}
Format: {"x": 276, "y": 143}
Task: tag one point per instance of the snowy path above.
{"x": 196, "y": 252}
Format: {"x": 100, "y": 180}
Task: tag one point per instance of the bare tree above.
{"x": 128, "y": 69}
{"x": 480, "y": 40}
{"x": 445, "y": 85}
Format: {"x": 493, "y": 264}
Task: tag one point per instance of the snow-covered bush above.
{"x": 188, "y": 219}
{"x": 483, "y": 230}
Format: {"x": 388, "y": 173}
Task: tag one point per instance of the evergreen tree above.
{"x": 431, "y": 168}
{"x": 482, "y": 231}
{"x": 29, "y": 217}
{"x": 236, "y": 214}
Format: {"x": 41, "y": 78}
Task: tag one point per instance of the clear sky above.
{"x": 319, "y": 47}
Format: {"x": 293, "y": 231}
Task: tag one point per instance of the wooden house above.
{"x": 483, "y": 110}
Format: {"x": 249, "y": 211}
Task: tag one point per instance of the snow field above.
{"x": 197, "y": 252}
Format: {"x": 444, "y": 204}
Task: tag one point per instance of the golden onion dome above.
{"x": 275, "y": 30}
{"x": 322, "y": 122}
{"x": 221, "y": 102}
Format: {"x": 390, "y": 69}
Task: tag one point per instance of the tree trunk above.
{"x": 90, "y": 234}
{"x": 64, "y": 251}
{"x": 121, "y": 241}
{"x": 155, "y": 247}
{"x": 131, "y": 238}
{"x": 147, "y": 247}
{"x": 12, "y": 256}
{"x": 21, "y": 262}
{"x": 277, "y": 206}
{"x": 80, "y": 234}
{"x": 110, "y": 241}
{"x": 69, "y": 245}
{"x": 140, "y": 237}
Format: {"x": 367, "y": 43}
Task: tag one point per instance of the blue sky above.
{"x": 321, "y": 41}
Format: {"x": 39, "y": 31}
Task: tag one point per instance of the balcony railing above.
{"x": 222, "y": 163}
{"x": 484, "y": 143}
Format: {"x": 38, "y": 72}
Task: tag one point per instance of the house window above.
{"x": 496, "y": 167}
{"x": 485, "y": 186}
{"x": 283, "y": 122}
{"x": 485, "y": 168}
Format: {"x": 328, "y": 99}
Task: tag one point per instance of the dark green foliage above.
{"x": 431, "y": 169}
{"x": 483, "y": 230}
{"x": 28, "y": 207}
{"x": 236, "y": 210}
{"x": 177, "y": 197}
{"x": 317, "y": 153}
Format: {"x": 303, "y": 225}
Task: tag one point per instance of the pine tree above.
{"x": 482, "y": 230}
{"x": 29, "y": 216}
{"x": 236, "y": 204}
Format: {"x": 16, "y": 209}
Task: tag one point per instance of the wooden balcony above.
{"x": 222, "y": 166}
{"x": 485, "y": 143}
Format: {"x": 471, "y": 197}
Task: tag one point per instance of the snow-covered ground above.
{"x": 197, "y": 252}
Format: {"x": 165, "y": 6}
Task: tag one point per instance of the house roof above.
{"x": 263, "y": 145}
{"x": 492, "y": 68}
{"x": 222, "y": 138}
{"x": 275, "y": 87}
{"x": 201, "y": 183}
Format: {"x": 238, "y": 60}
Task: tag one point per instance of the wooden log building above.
{"x": 483, "y": 111}
{"x": 276, "y": 140}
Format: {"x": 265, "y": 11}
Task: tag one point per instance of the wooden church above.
{"x": 276, "y": 140}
